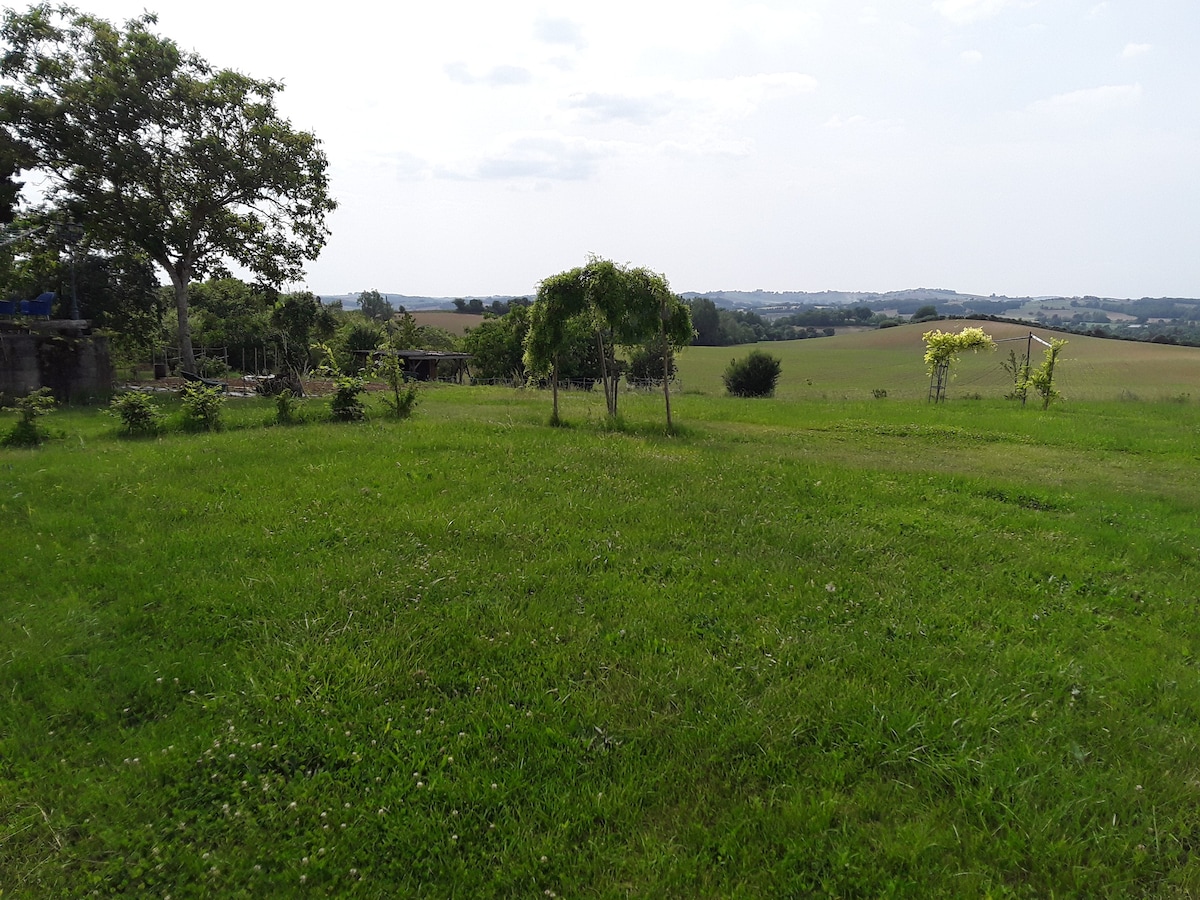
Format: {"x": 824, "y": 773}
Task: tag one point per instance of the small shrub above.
{"x": 390, "y": 368}
{"x": 30, "y": 408}
{"x": 403, "y": 400}
{"x": 137, "y": 413}
{"x": 1042, "y": 378}
{"x": 346, "y": 402}
{"x": 276, "y": 385}
{"x": 287, "y": 408}
{"x": 754, "y": 376}
{"x": 211, "y": 367}
{"x": 201, "y": 406}
{"x": 1018, "y": 370}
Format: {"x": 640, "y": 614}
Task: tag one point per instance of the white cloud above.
{"x": 603, "y": 107}
{"x": 559, "y": 31}
{"x": 723, "y": 98}
{"x": 771, "y": 24}
{"x": 962, "y": 12}
{"x": 706, "y": 148}
{"x": 540, "y": 157}
{"x": 1132, "y": 50}
{"x": 746, "y": 93}
{"x": 498, "y": 76}
{"x": 839, "y": 122}
{"x": 858, "y": 123}
{"x": 1091, "y": 100}
{"x": 971, "y": 57}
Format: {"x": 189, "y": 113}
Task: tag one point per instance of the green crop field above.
{"x": 851, "y": 366}
{"x": 816, "y": 645}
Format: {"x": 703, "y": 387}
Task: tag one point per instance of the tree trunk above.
{"x": 554, "y": 387}
{"x": 603, "y": 371}
{"x": 667, "y": 379}
{"x": 179, "y": 281}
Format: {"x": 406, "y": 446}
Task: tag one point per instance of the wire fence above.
{"x": 574, "y": 384}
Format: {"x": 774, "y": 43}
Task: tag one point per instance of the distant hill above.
{"x": 947, "y": 301}
{"x": 784, "y": 299}
{"x": 413, "y": 303}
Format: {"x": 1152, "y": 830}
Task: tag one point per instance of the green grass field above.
{"x": 850, "y": 366}
{"x": 819, "y": 645}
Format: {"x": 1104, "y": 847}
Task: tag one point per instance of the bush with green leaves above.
{"x": 137, "y": 413}
{"x": 389, "y": 367}
{"x": 30, "y": 408}
{"x": 211, "y": 367}
{"x": 287, "y": 408}
{"x": 753, "y": 376}
{"x": 356, "y": 341}
{"x": 1042, "y": 378}
{"x": 646, "y": 363}
{"x": 201, "y": 406}
{"x": 345, "y": 405}
{"x": 346, "y": 402}
{"x": 1017, "y": 369}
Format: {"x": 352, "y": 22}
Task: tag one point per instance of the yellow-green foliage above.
{"x": 942, "y": 347}
{"x": 1042, "y": 378}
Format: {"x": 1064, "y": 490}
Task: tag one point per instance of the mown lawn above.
{"x": 831, "y": 648}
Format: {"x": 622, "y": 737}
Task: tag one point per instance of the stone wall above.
{"x": 59, "y": 355}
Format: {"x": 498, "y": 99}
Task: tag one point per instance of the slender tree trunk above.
{"x": 610, "y": 389}
{"x": 179, "y": 281}
{"x": 554, "y": 387}
{"x": 667, "y": 380}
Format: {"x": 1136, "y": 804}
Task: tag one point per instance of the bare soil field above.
{"x": 453, "y": 322}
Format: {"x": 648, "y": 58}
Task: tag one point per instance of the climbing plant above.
{"x": 1041, "y": 379}
{"x": 943, "y": 348}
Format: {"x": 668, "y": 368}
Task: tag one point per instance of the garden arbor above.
{"x": 625, "y": 307}
{"x": 942, "y": 348}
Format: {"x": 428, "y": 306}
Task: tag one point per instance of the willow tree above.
{"x": 943, "y": 348}
{"x": 624, "y": 307}
{"x": 560, "y": 298}
{"x": 151, "y": 148}
{"x": 667, "y": 322}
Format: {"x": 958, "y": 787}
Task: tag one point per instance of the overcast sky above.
{"x": 1019, "y": 147}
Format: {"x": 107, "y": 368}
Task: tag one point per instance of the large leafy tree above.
{"x": 229, "y": 313}
{"x": 375, "y": 306}
{"x": 299, "y": 321}
{"x": 13, "y": 158}
{"x": 152, "y": 148}
{"x": 497, "y": 346}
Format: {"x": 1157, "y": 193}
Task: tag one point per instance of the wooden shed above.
{"x": 422, "y": 365}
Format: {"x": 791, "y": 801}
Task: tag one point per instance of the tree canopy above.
{"x": 625, "y": 307}
{"x": 375, "y": 306}
{"x": 13, "y": 158}
{"x": 150, "y": 147}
